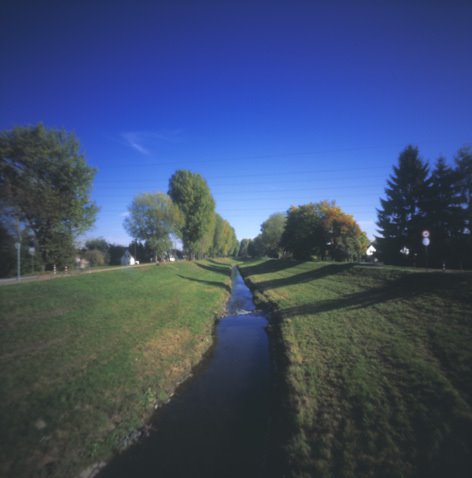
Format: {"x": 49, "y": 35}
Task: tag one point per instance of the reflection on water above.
{"x": 217, "y": 425}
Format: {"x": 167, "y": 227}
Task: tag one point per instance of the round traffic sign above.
{"x": 426, "y": 241}
{"x": 425, "y": 233}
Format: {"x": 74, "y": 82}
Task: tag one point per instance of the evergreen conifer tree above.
{"x": 463, "y": 161}
{"x": 444, "y": 215}
{"x": 402, "y": 215}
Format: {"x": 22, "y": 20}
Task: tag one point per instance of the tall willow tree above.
{"x": 225, "y": 242}
{"x": 152, "y": 218}
{"x": 271, "y": 233}
{"x": 192, "y": 195}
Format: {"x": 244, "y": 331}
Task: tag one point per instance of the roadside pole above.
{"x": 426, "y": 241}
{"x": 18, "y": 260}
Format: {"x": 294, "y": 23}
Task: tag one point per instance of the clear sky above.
{"x": 274, "y": 102}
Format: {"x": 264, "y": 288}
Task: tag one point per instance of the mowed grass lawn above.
{"x": 85, "y": 360}
{"x": 379, "y": 373}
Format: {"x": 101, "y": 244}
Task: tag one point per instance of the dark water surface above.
{"x": 218, "y": 424}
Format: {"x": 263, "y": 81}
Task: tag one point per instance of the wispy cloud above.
{"x": 145, "y": 141}
{"x": 134, "y": 141}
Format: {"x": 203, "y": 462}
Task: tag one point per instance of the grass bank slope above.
{"x": 85, "y": 360}
{"x": 379, "y": 367}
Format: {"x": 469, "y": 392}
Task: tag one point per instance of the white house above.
{"x": 371, "y": 250}
{"x": 127, "y": 259}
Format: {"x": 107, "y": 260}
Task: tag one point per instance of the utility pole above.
{"x": 18, "y": 253}
{"x": 32, "y": 252}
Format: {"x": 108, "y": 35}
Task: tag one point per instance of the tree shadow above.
{"x": 217, "y": 267}
{"x": 217, "y": 263}
{"x": 221, "y": 285}
{"x": 303, "y": 277}
{"x": 404, "y": 288}
{"x": 270, "y": 266}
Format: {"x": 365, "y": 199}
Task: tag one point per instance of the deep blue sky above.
{"x": 275, "y": 103}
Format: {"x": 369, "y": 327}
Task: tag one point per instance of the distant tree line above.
{"x": 439, "y": 202}
{"x": 45, "y": 207}
{"x": 187, "y": 212}
{"x": 99, "y": 252}
{"x": 321, "y": 230}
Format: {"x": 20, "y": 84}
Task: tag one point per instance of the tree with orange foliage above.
{"x": 323, "y": 230}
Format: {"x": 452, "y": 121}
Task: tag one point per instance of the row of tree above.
{"x": 45, "y": 206}
{"x": 319, "y": 230}
{"x": 436, "y": 204}
{"x": 187, "y": 212}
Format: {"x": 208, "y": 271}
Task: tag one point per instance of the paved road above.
{"x": 62, "y": 275}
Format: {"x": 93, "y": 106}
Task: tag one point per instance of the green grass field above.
{"x": 378, "y": 367}
{"x": 85, "y": 360}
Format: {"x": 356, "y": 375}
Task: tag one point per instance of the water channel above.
{"x": 218, "y": 423}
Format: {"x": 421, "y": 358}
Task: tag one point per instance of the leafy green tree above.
{"x": 202, "y": 248}
{"x": 7, "y": 252}
{"x": 152, "y": 218}
{"x": 271, "y": 233}
{"x": 101, "y": 245}
{"x": 323, "y": 230}
{"x": 98, "y": 243}
{"x": 44, "y": 185}
{"x": 444, "y": 214}
{"x": 256, "y": 247}
{"x": 218, "y": 240}
{"x": 342, "y": 235}
{"x": 224, "y": 238}
{"x": 231, "y": 241}
{"x": 192, "y": 195}
{"x": 243, "y": 248}
{"x": 95, "y": 257}
{"x": 402, "y": 215}
{"x": 303, "y": 233}
{"x": 140, "y": 251}
{"x": 116, "y": 252}
{"x": 463, "y": 162}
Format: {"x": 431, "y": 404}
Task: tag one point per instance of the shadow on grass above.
{"x": 216, "y": 267}
{"x": 217, "y": 263}
{"x": 404, "y": 288}
{"x": 269, "y": 266}
{"x": 207, "y": 282}
{"x": 303, "y": 277}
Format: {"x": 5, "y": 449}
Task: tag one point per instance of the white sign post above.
{"x": 426, "y": 242}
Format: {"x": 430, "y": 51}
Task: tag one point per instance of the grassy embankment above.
{"x": 378, "y": 367}
{"x": 85, "y": 360}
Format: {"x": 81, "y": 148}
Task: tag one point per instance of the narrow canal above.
{"x": 218, "y": 424}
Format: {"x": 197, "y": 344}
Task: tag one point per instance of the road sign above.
{"x": 426, "y": 241}
{"x": 425, "y": 233}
